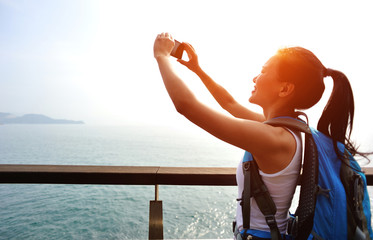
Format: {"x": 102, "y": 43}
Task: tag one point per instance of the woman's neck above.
{"x": 283, "y": 112}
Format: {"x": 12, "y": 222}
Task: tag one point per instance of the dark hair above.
{"x": 302, "y": 68}
{"x": 338, "y": 116}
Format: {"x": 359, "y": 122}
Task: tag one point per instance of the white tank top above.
{"x": 281, "y": 186}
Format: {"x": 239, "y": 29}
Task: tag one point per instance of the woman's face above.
{"x": 267, "y": 84}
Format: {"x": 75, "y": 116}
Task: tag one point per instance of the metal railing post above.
{"x": 156, "y": 217}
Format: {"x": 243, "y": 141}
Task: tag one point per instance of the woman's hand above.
{"x": 163, "y": 45}
{"x": 192, "y": 64}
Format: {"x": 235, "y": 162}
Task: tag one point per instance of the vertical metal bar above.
{"x": 156, "y": 217}
{"x": 156, "y": 192}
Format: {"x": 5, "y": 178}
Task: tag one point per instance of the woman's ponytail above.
{"x": 302, "y": 68}
{"x": 337, "y": 118}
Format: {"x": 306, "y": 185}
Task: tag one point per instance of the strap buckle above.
{"x": 293, "y": 226}
{"x": 246, "y": 166}
{"x": 275, "y": 232}
{"x": 271, "y": 220}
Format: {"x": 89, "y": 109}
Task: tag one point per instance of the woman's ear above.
{"x": 286, "y": 89}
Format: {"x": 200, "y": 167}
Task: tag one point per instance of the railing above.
{"x": 126, "y": 175}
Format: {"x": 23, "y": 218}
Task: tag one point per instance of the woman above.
{"x": 290, "y": 80}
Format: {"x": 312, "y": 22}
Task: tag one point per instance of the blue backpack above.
{"x": 334, "y": 201}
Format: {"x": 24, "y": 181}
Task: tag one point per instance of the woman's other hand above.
{"x": 192, "y": 63}
{"x": 163, "y": 45}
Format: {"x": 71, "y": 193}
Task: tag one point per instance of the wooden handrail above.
{"x": 123, "y": 175}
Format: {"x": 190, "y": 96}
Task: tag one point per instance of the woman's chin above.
{"x": 252, "y": 100}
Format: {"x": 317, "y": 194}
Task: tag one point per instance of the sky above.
{"x": 93, "y": 60}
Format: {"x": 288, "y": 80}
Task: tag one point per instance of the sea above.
{"x": 48, "y": 211}
{"x": 59, "y": 211}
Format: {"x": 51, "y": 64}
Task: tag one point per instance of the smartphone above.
{"x": 178, "y": 50}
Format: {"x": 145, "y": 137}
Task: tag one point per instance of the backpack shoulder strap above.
{"x": 291, "y": 123}
{"x": 309, "y": 179}
{"x": 255, "y": 187}
{"x": 246, "y": 194}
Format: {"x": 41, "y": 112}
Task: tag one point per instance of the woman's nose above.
{"x": 254, "y": 79}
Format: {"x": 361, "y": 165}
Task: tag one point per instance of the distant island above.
{"x": 8, "y": 118}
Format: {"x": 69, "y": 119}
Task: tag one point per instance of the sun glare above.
{"x": 105, "y": 50}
